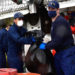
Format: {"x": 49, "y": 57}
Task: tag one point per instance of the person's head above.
{"x": 7, "y": 28}
{"x": 18, "y": 19}
{"x": 7, "y": 23}
{"x": 53, "y": 9}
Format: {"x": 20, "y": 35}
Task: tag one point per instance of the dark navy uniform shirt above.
{"x": 4, "y": 39}
{"x": 16, "y": 40}
{"x": 61, "y": 35}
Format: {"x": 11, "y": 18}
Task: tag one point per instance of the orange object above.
{"x": 8, "y": 71}
{"x": 28, "y": 74}
{"x": 73, "y": 29}
{"x": 53, "y": 52}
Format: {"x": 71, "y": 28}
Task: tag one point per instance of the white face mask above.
{"x": 20, "y": 23}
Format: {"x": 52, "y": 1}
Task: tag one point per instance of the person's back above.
{"x": 5, "y": 39}
{"x": 3, "y": 47}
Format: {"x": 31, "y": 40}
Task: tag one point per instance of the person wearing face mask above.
{"x": 16, "y": 40}
{"x": 62, "y": 42}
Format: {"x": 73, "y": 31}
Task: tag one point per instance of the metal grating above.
{"x": 8, "y": 6}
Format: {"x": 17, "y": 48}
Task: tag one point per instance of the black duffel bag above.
{"x": 39, "y": 61}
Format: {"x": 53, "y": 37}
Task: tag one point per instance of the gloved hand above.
{"x": 42, "y": 46}
{"x": 33, "y": 39}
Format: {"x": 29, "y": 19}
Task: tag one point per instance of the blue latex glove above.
{"x": 42, "y": 46}
{"x": 33, "y": 39}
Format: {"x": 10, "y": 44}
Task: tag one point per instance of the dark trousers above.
{"x": 2, "y": 60}
{"x": 15, "y": 62}
{"x": 65, "y": 61}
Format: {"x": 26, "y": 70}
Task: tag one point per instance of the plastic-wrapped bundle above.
{"x": 39, "y": 61}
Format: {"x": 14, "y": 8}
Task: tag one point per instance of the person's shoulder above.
{"x": 11, "y": 28}
{"x": 62, "y": 20}
{"x": 2, "y": 30}
{"x": 22, "y": 28}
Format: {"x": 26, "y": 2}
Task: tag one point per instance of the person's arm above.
{"x": 60, "y": 33}
{"x": 23, "y": 31}
{"x": 16, "y": 37}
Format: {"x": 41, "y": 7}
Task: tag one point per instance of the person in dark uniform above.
{"x": 62, "y": 42}
{"x": 3, "y": 45}
{"x": 16, "y": 40}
